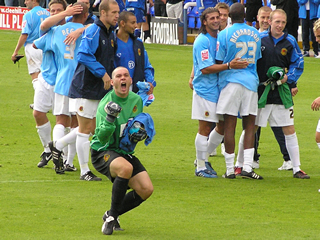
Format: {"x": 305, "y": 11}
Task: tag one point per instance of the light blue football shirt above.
{"x": 48, "y": 65}
{"x": 204, "y": 53}
{"x": 239, "y": 40}
{"x": 31, "y": 23}
{"x": 65, "y": 56}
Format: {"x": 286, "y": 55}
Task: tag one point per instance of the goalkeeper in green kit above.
{"x": 124, "y": 169}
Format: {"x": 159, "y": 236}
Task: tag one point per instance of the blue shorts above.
{"x": 139, "y": 13}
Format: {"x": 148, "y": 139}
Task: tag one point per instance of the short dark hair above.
{"x": 84, "y": 10}
{"x": 124, "y": 16}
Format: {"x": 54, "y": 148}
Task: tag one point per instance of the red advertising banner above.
{"x": 11, "y": 17}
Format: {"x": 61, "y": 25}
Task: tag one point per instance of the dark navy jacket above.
{"x": 95, "y": 58}
{"x": 286, "y": 54}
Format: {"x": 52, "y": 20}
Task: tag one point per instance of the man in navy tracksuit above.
{"x": 91, "y": 80}
{"x": 280, "y": 49}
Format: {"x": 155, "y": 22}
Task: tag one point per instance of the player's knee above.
{"x": 126, "y": 171}
{"x": 147, "y": 192}
{"x": 39, "y": 117}
{"x": 317, "y": 137}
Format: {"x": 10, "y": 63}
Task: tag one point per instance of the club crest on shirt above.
{"x": 206, "y": 113}
{"x": 112, "y": 43}
{"x": 135, "y": 108}
{"x": 205, "y": 54}
{"x": 103, "y": 42}
{"x": 284, "y": 51}
{"x": 106, "y": 157}
{"x": 81, "y": 108}
{"x": 139, "y": 51}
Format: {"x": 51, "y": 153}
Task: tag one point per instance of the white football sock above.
{"x": 318, "y": 145}
{"x": 293, "y": 150}
{"x": 240, "y": 156}
{"x": 65, "y": 149}
{"x": 72, "y": 136}
{"x": 83, "y": 148}
{"x": 71, "y": 153}
{"x": 214, "y": 141}
{"x": 58, "y": 132}
{"x": 44, "y": 132}
{"x": 201, "y": 144}
{"x": 229, "y": 158}
{"x": 248, "y": 159}
{"x": 67, "y": 139}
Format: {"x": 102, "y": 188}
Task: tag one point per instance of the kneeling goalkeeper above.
{"x": 125, "y": 170}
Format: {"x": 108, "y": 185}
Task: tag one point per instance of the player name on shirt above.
{"x": 42, "y": 12}
{"x": 241, "y": 32}
{"x": 67, "y": 31}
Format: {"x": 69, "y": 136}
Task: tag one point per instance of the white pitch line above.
{"x": 38, "y": 181}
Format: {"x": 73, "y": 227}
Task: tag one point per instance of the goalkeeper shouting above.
{"x": 124, "y": 169}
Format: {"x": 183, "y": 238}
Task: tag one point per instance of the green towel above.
{"x": 284, "y": 92}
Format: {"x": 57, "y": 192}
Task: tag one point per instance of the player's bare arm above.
{"x": 55, "y": 19}
{"x": 151, "y": 88}
{"x": 73, "y": 36}
{"x": 107, "y": 81}
{"x": 191, "y": 78}
{"x": 234, "y": 64}
{"x": 315, "y": 106}
{"x": 21, "y": 41}
{"x": 294, "y": 91}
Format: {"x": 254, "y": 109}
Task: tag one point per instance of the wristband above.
{"x": 279, "y": 82}
{"x": 229, "y": 67}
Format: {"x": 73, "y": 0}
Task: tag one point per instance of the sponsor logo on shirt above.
{"x": 205, "y": 54}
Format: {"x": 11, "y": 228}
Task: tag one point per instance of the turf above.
{"x": 39, "y": 204}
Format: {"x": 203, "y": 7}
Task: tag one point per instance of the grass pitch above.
{"x": 39, "y": 204}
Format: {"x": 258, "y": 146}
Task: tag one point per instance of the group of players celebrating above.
{"x": 241, "y": 72}
{"x": 76, "y": 59}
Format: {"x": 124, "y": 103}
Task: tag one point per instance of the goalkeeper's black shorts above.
{"x": 101, "y": 161}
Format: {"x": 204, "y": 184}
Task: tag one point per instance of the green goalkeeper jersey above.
{"x": 107, "y": 135}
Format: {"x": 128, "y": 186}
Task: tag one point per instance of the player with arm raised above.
{"x": 206, "y": 90}
{"x": 122, "y": 168}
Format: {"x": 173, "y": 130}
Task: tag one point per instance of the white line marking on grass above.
{"x": 37, "y": 181}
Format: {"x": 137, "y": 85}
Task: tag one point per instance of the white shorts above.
{"x": 43, "y": 96}
{"x": 235, "y": 98}
{"x": 203, "y": 109}
{"x": 87, "y": 108}
{"x": 72, "y": 106}
{"x": 277, "y": 116}
{"x": 34, "y": 58}
{"x": 318, "y": 126}
{"x": 61, "y": 105}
